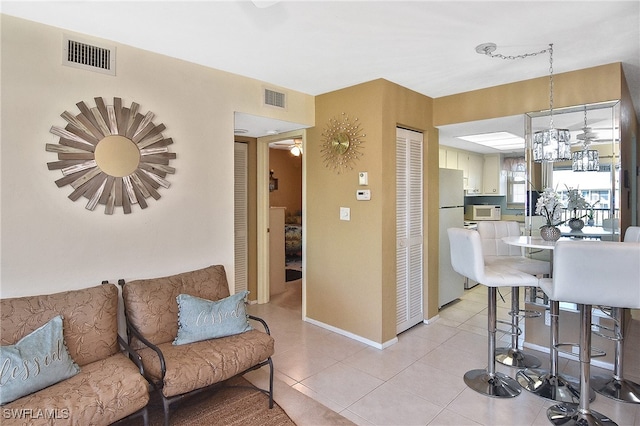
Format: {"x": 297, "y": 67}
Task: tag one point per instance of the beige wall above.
{"x": 351, "y": 264}
{"x": 50, "y": 243}
{"x": 597, "y": 84}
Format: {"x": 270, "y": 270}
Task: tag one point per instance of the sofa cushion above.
{"x": 204, "y": 363}
{"x": 102, "y": 393}
{"x": 202, "y": 319}
{"x": 38, "y": 360}
{"x": 90, "y": 320}
{"x": 152, "y": 307}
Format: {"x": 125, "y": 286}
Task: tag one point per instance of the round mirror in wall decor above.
{"x": 112, "y": 155}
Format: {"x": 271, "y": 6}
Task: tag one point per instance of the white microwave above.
{"x": 485, "y": 212}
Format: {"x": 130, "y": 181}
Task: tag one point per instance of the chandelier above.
{"x": 550, "y": 144}
{"x": 587, "y": 160}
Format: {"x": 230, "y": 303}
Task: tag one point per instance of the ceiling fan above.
{"x": 293, "y": 145}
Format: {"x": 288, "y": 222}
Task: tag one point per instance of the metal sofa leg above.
{"x": 270, "y": 383}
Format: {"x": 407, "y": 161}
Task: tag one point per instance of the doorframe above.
{"x": 262, "y": 206}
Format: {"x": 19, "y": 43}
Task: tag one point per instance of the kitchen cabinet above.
{"x": 470, "y": 163}
{"x": 494, "y": 179}
{"x": 475, "y": 171}
{"x": 442, "y": 159}
{"x": 448, "y": 158}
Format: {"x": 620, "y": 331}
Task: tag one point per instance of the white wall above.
{"x": 51, "y": 244}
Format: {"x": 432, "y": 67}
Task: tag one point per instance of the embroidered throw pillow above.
{"x": 38, "y": 360}
{"x": 202, "y": 319}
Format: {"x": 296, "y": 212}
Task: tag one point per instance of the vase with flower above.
{"x": 550, "y": 208}
{"x": 575, "y": 202}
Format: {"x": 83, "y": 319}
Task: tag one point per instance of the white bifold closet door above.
{"x": 241, "y": 247}
{"x": 409, "y": 228}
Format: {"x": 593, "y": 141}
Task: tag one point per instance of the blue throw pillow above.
{"x": 202, "y": 319}
{"x": 38, "y": 360}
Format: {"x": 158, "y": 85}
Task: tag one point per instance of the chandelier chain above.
{"x": 513, "y": 57}
{"x": 550, "y": 84}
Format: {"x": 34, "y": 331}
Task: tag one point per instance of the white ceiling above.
{"x": 319, "y": 46}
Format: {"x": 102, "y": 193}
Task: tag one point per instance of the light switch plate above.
{"x": 345, "y": 213}
{"x": 363, "y": 178}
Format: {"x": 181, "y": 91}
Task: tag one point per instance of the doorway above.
{"x": 263, "y": 211}
{"x": 285, "y": 223}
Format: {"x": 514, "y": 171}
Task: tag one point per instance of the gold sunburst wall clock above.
{"x": 112, "y": 155}
{"x": 342, "y": 142}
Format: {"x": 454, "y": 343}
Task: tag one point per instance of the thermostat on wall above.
{"x": 363, "y": 194}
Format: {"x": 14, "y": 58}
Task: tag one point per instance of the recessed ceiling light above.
{"x": 239, "y": 131}
{"x": 499, "y": 140}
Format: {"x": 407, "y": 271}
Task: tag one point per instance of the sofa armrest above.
{"x": 133, "y": 355}
{"x": 163, "y": 368}
{"x": 261, "y": 321}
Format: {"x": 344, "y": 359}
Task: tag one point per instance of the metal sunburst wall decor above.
{"x": 341, "y": 143}
{"x": 112, "y": 155}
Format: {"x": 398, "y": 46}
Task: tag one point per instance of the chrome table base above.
{"x": 569, "y": 415}
{"x": 498, "y": 386}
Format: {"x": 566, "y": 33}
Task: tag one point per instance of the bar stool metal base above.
{"x": 516, "y": 358}
{"x": 569, "y": 415}
{"x": 498, "y": 386}
{"x": 620, "y": 390}
{"x": 555, "y": 388}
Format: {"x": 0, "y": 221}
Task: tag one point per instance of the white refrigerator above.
{"x": 451, "y": 284}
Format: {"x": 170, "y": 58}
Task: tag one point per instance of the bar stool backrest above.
{"x": 466, "y": 253}
{"x": 597, "y": 273}
{"x": 632, "y": 234}
{"x": 491, "y": 234}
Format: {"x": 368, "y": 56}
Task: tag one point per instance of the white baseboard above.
{"x": 431, "y": 320}
{"x": 351, "y": 335}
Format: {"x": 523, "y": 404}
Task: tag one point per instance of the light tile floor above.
{"x": 419, "y": 380}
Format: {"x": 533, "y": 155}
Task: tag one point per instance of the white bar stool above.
{"x": 496, "y": 252}
{"x": 617, "y": 387}
{"x": 579, "y": 278}
{"x": 467, "y": 260}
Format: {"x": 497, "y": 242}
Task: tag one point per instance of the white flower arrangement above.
{"x": 550, "y": 207}
{"x": 575, "y": 201}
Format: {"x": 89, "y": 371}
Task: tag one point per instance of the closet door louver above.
{"x": 409, "y": 228}
{"x": 241, "y": 262}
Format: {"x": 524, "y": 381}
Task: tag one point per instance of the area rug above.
{"x": 240, "y": 405}
{"x": 292, "y": 275}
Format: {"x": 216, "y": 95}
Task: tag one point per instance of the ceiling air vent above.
{"x": 273, "y": 98}
{"x": 89, "y": 56}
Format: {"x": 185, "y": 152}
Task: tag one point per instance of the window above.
{"x": 516, "y": 181}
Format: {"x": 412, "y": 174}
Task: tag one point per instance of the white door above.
{"x": 409, "y": 228}
{"x": 241, "y": 262}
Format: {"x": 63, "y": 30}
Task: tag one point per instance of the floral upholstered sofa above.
{"x": 62, "y": 362}
{"x": 191, "y": 334}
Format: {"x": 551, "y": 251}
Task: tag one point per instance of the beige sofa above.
{"x": 151, "y": 310}
{"x": 108, "y": 387}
